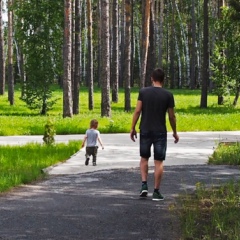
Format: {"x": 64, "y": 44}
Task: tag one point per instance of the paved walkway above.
{"x": 87, "y": 202}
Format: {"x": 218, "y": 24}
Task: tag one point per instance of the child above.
{"x": 92, "y": 136}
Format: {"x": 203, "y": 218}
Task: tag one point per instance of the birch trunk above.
{"x": 90, "y": 57}
{"x": 127, "y": 54}
{"x": 67, "y": 83}
{"x": 10, "y": 54}
{"x": 2, "y": 55}
{"x": 105, "y": 70}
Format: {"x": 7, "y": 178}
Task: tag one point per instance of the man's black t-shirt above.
{"x": 155, "y": 103}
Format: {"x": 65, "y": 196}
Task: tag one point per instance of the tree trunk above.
{"x": 161, "y": 19}
{"x": 115, "y": 52}
{"x": 236, "y": 96}
{"x": 99, "y": 58}
{"x": 145, "y": 39}
{"x": 90, "y": 57}
{"x": 172, "y": 50}
{"x": 73, "y": 46}
{"x": 105, "y": 76}
{"x": 205, "y": 67}
{"x": 221, "y": 4}
{"x": 127, "y": 54}
{"x": 10, "y": 54}
{"x": 193, "y": 49}
{"x": 2, "y": 57}
{"x": 151, "y": 56}
{"x": 67, "y": 87}
{"x": 77, "y": 72}
{"x": 122, "y": 47}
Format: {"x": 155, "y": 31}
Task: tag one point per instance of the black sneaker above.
{"x": 144, "y": 190}
{"x": 94, "y": 164}
{"x": 157, "y": 196}
{"x": 87, "y": 161}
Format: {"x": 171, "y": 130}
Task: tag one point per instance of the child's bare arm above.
{"x": 100, "y": 141}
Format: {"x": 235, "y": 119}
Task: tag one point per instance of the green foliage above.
{"x": 226, "y": 153}
{"x": 225, "y": 63}
{"x": 49, "y": 133}
{"x": 39, "y": 35}
{"x": 211, "y": 213}
{"x": 23, "y": 164}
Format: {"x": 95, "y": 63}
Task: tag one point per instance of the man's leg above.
{"x": 144, "y": 169}
{"x": 144, "y": 176}
{"x": 158, "y": 173}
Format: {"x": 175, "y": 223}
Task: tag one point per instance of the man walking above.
{"x": 153, "y": 104}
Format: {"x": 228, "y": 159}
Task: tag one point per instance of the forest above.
{"x": 115, "y": 44}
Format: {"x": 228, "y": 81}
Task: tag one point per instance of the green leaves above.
{"x": 39, "y": 34}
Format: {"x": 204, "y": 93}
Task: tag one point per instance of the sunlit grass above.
{"x": 19, "y": 120}
{"x": 211, "y": 213}
{"x": 23, "y": 164}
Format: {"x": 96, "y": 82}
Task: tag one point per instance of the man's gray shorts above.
{"x": 159, "y": 142}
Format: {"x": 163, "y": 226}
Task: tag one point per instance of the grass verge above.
{"x": 213, "y": 213}
{"x": 23, "y": 164}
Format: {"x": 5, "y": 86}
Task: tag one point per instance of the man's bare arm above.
{"x": 172, "y": 120}
{"x": 136, "y": 115}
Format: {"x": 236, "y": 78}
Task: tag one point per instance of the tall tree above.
{"x": 77, "y": 72}
{"x": 10, "y": 54}
{"x": 127, "y": 68}
{"x": 115, "y": 52}
{"x": 145, "y": 39}
{"x": 122, "y": 47}
{"x": 2, "y": 57}
{"x": 90, "y": 57}
{"x": 105, "y": 76}
{"x": 67, "y": 57}
{"x": 205, "y": 68}
{"x": 151, "y": 57}
{"x": 193, "y": 47}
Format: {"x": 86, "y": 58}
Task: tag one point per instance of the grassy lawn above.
{"x": 19, "y": 120}
{"x": 23, "y": 164}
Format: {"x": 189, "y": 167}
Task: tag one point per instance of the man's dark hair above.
{"x": 158, "y": 75}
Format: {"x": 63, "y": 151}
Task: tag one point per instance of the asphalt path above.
{"x": 101, "y": 202}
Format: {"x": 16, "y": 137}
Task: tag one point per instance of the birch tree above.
{"x": 67, "y": 57}
{"x": 105, "y": 75}
{"x": 10, "y": 54}
{"x": 2, "y": 55}
{"x": 90, "y": 57}
{"x": 127, "y": 68}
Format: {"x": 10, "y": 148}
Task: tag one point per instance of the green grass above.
{"x": 23, "y": 164}
{"x": 211, "y": 213}
{"x": 214, "y": 213}
{"x": 19, "y": 120}
{"x": 228, "y": 153}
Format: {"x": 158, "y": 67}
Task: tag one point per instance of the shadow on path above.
{"x": 102, "y": 205}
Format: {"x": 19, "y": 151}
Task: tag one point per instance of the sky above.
{"x": 5, "y": 12}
